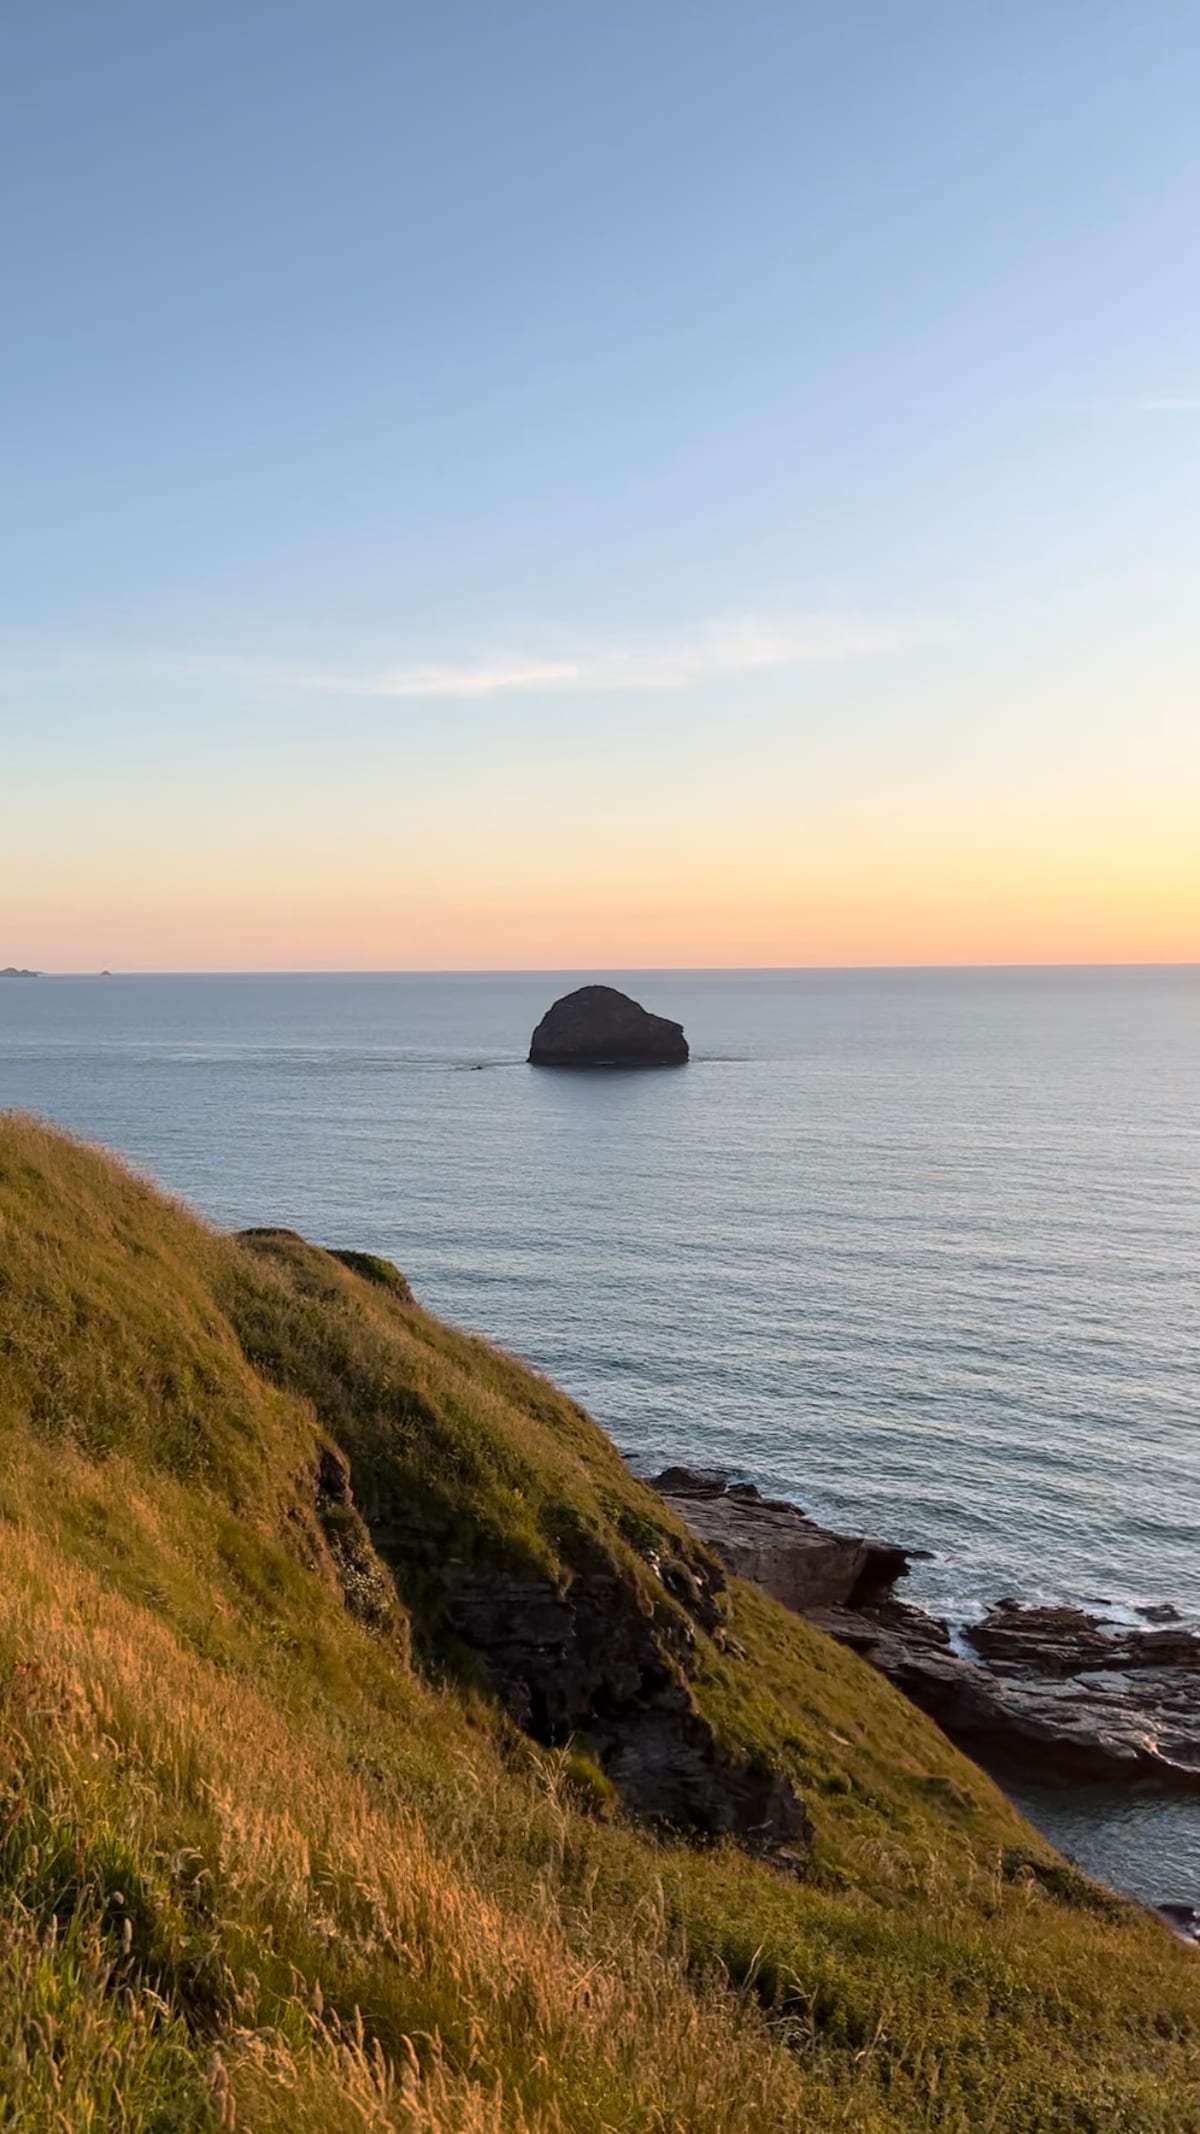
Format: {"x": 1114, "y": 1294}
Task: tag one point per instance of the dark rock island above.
{"x": 599, "y": 1027}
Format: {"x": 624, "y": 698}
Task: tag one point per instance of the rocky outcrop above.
{"x": 779, "y": 1546}
{"x": 593, "y": 1658}
{"x": 599, "y": 1027}
{"x": 585, "y": 1661}
{"x": 1056, "y": 1692}
{"x": 1069, "y": 1641}
{"x": 366, "y": 1588}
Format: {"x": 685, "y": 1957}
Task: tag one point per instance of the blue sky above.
{"x": 741, "y": 453}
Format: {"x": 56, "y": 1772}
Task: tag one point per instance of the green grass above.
{"x": 261, "y": 1867}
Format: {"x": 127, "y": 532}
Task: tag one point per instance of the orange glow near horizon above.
{"x": 755, "y": 877}
{"x": 936, "y": 909}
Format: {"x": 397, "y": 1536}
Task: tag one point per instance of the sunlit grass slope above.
{"x": 270, "y": 1857}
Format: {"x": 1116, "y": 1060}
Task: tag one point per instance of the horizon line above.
{"x": 543, "y": 970}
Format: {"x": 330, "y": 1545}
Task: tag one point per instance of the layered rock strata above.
{"x": 1057, "y": 1692}
{"x": 1089, "y": 1704}
{"x": 779, "y": 1546}
{"x": 589, "y": 1660}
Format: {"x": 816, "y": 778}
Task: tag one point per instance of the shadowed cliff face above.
{"x": 592, "y": 1657}
{"x": 596, "y": 1635}
{"x": 599, "y": 1027}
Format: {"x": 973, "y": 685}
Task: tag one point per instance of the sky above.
{"x": 500, "y": 484}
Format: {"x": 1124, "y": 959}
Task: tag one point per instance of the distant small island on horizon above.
{"x": 11, "y": 970}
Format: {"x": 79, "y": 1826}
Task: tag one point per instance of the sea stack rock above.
{"x": 599, "y": 1027}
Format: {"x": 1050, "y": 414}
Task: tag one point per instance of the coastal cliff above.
{"x": 377, "y": 1751}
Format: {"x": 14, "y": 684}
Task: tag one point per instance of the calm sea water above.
{"x": 921, "y": 1250}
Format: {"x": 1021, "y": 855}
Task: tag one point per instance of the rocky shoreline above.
{"x": 1056, "y": 1693}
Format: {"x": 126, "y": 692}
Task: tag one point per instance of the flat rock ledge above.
{"x": 1057, "y": 1693}
{"x": 597, "y": 1026}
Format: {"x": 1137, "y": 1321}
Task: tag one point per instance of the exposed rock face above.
{"x": 779, "y": 1546}
{"x": 586, "y": 1661}
{"x": 589, "y": 1657}
{"x": 599, "y": 1027}
{"x": 1056, "y": 1691}
{"x": 1069, "y": 1641}
{"x": 366, "y": 1587}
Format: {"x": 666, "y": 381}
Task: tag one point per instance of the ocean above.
{"x": 920, "y": 1249}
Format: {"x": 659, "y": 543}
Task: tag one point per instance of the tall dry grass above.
{"x": 256, "y": 1872}
{"x": 178, "y": 1861}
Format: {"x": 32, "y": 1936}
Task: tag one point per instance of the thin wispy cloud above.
{"x": 750, "y": 645}
{"x": 1171, "y": 404}
{"x": 739, "y": 646}
{"x": 486, "y": 678}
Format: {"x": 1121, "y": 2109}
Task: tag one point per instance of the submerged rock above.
{"x": 597, "y": 1026}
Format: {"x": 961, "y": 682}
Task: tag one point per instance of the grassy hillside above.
{"x": 275, "y": 1852}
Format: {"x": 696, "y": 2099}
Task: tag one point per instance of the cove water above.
{"x": 918, "y": 1249}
